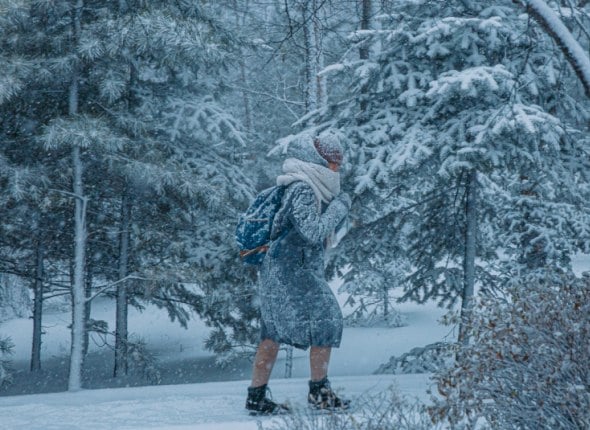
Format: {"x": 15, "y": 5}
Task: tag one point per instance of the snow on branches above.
{"x": 571, "y": 48}
{"x": 527, "y": 366}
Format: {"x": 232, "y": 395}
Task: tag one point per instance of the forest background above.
{"x": 134, "y": 132}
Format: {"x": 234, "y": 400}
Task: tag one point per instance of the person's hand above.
{"x": 345, "y": 200}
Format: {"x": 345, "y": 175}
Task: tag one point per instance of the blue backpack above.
{"x": 255, "y": 225}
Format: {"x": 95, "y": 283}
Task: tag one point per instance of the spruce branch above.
{"x": 556, "y": 29}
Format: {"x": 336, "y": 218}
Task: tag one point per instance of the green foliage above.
{"x": 151, "y": 128}
{"x": 447, "y": 90}
{"x": 84, "y": 132}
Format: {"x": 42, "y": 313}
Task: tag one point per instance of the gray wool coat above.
{"x": 297, "y": 306}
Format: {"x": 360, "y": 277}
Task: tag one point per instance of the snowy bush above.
{"x": 527, "y": 364}
{"x": 384, "y": 411}
{"x": 430, "y": 358}
{"x": 5, "y": 350}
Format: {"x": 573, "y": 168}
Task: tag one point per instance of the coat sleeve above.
{"x": 306, "y": 218}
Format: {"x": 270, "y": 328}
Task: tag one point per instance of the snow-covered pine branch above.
{"x": 84, "y": 132}
{"x": 552, "y": 24}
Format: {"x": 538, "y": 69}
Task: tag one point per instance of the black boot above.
{"x": 321, "y": 396}
{"x": 258, "y": 404}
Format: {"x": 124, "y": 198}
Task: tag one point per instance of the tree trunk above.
{"x": 318, "y": 41}
{"x": 78, "y": 287}
{"x": 315, "y": 85}
{"x": 309, "y": 45}
{"x": 245, "y": 97}
{"x": 469, "y": 259}
{"x": 121, "y": 365}
{"x": 366, "y": 11}
{"x": 243, "y": 75}
{"x": 121, "y": 332}
{"x": 88, "y": 303}
{"x": 37, "y": 309}
{"x": 289, "y": 362}
{"x": 80, "y": 236}
{"x": 385, "y": 301}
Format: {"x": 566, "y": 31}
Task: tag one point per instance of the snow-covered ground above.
{"x": 194, "y": 402}
{"x": 214, "y": 405}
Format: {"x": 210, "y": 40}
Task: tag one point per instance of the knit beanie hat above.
{"x": 320, "y": 150}
{"x": 328, "y": 146}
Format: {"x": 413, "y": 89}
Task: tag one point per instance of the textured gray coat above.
{"x": 297, "y": 306}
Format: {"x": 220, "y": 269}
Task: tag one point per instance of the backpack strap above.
{"x": 286, "y": 202}
{"x": 247, "y": 252}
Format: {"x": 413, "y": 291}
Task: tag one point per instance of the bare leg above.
{"x": 321, "y": 395}
{"x": 319, "y": 359}
{"x": 265, "y": 358}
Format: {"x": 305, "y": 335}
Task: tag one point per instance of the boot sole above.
{"x": 269, "y": 414}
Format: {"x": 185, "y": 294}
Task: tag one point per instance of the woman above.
{"x": 297, "y": 306}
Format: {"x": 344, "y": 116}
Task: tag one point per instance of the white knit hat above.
{"x": 322, "y": 149}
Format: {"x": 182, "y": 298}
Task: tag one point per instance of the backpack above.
{"x": 255, "y": 225}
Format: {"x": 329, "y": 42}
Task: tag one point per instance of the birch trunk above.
{"x": 311, "y": 90}
{"x": 78, "y": 290}
{"x": 121, "y": 331}
{"x": 318, "y": 36}
{"x": 243, "y": 75}
{"x": 37, "y": 309}
{"x": 469, "y": 259}
{"x": 315, "y": 85}
{"x": 80, "y": 236}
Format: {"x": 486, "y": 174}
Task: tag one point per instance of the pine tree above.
{"x": 29, "y": 228}
{"x": 455, "y": 98}
{"x": 550, "y": 21}
{"x": 142, "y": 106}
{"x": 158, "y": 97}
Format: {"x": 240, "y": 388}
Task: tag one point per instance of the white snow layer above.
{"x": 210, "y": 405}
{"x": 215, "y": 406}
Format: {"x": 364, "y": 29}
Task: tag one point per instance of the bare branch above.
{"x": 103, "y": 288}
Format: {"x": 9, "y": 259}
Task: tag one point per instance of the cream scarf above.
{"x": 324, "y": 182}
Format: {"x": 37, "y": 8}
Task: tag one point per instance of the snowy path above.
{"x": 205, "y": 405}
{"x": 214, "y": 406}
